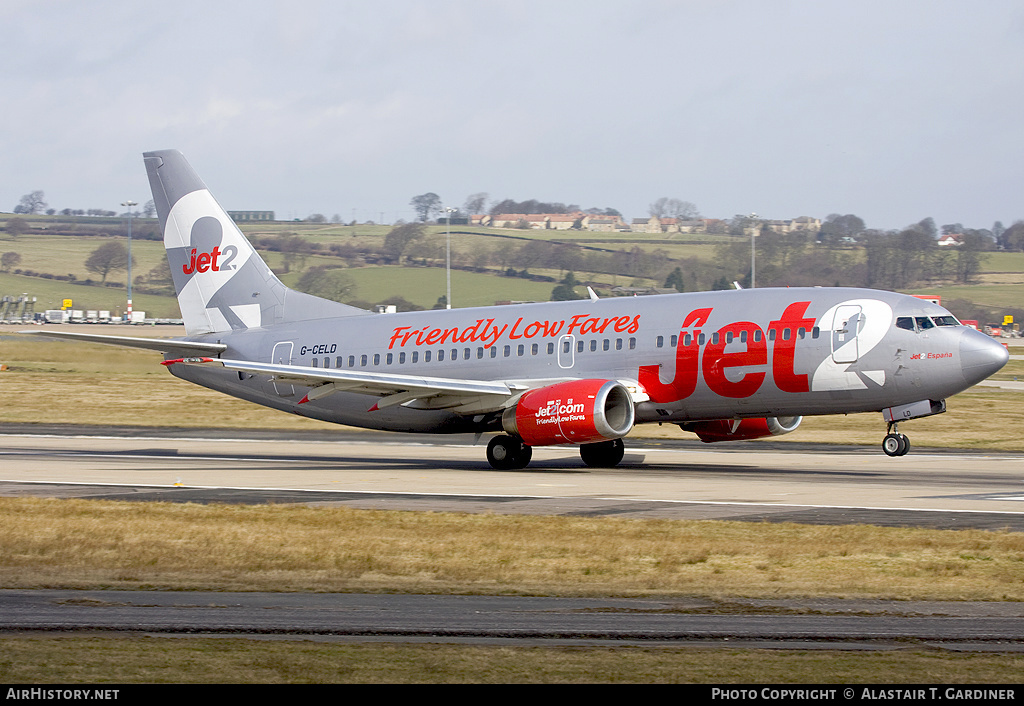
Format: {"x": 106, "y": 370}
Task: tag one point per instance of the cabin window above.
{"x": 315, "y": 365}
{"x": 401, "y": 358}
{"x": 362, "y": 360}
{"x": 507, "y": 351}
{"x": 714, "y": 338}
{"x": 391, "y": 358}
{"x": 786, "y": 333}
{"x": 426, "y": 356}
{"x": 351, "y": 361}
{"x": 551, "y": 348}
{"x": 376, "y": 358}
{"x": 535, "y": 349}
{"x": 480, "y": 352}
{"x": 520, "y": 350}
{"x": 440, "y": 355}
{"x": 632, "y": 344}
{"x": 494, "y": 351}
{"x": 415, "y": 356}
{"x": 758, "y": 335}
{"x": 593, "y": 345}
{"x": 815, "y": 332}
{"x": 606, "y": 345}
{"x": 661, "y": 341}
{"x": 579, "y": 346}
{"x": 618, "y": 344}
{"x": 674, "y": 340}
{"x": 801, "y": 333}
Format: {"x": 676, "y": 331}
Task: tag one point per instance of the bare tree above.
{"x": 673, "y": 208}
{"x": 9, "y": 260}
{"x": 475, "y": 203}
{"x": 108, "y": 258}
{"x": 426, "y": 205}
{"x": 32, "y": 203}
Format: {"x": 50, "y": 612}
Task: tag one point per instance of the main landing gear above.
{"x": 506, "y": 453}
{"x": 895, "y": 443}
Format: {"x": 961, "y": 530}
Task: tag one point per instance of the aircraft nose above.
{"x": 980, "y": 356}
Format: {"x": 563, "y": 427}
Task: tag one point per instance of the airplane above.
{"x": 725, "y": 365}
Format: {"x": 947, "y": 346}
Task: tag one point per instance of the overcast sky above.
{"x": 891, "y": 110}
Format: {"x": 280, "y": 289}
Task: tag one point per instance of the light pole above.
{"x": 129, "y": 204}
{"x": 448, "y": 211}
{"x": 753, "y": 232}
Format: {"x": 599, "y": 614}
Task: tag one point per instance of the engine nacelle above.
{"x": 573, "y": 412}
{"x": 740, "y": 429}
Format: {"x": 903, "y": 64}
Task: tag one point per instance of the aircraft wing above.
{"x": 164, "y": 345}
{"x": 460, "y": 395}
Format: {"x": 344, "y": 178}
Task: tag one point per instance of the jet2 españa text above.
{"x": 726, "y": 365}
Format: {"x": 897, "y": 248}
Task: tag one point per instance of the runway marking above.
{"x": 717, "y": 503}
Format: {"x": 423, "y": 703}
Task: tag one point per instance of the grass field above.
{"x": 95, "y": 544}
{"x": 151, "y": 660}
{"x": 1001, "y": 284}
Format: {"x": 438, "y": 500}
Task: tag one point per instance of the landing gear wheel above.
{"x": 604, "y": 454}
{"x": 895, "y": 444}
{"x": 505, "y": 453}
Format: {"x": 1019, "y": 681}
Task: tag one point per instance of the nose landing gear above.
{"x": 895, "y": 443}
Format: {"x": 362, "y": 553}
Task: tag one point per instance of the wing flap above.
{"x": 394, "y": 389}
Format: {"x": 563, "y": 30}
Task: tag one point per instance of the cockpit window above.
{"x": 945, "y": 321}
{"x": 923, "y": 322}
{"x": 905, "y": 322}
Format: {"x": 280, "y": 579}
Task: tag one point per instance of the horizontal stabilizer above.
{"x": 164, "y": 345}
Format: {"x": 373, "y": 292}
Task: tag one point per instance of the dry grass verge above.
{"x": 108, "y": 544}
{"x": 147, "y": 660}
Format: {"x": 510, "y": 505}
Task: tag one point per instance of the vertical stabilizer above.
{"x": 221, "y": 282}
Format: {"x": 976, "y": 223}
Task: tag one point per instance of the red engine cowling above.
{"x": 740, "y": 429}
{"x": 574, "y": 412}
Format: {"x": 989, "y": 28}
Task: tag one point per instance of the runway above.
{"x": 746, "y": 481}
{"x": 749, "y": 482}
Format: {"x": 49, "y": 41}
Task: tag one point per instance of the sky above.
{"x": 892, "y": 110}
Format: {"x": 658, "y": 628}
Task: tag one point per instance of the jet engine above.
{"x": 573, "y": 412}
{"x": 740, "y": 429}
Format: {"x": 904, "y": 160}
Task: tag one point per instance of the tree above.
{"x": 149, "y": 209}
{"x": 396, "y": 242}
{"x": 836, "y": 227}
{"x": 108, "y": 258}
{"x": 426, "y": 205}
{"x": 32, "y": 203}
{"x": 326, "y": 282}
{"x": 17, "y": 226}
{"x": 673, "y": 208}
{"x": 475, "y": 203}
{"x": 675, "y": 279}
{"x": 566, "y": 290}
{"x": 9, "y": 260}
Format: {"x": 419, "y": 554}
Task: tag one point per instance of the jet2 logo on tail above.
{"x": 207, "y": 261}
